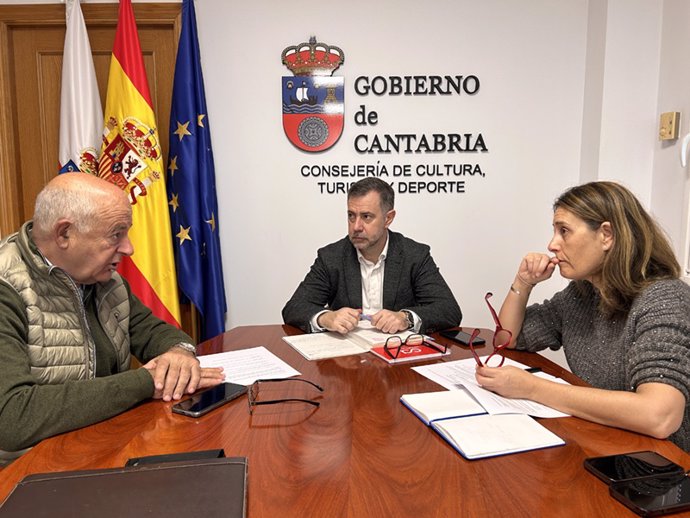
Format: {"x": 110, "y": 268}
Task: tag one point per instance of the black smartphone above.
{"x": 175, "y": 457}
{"x": 655, "y": 496}
{"x": 461, "y": 337}
{"x": 204, "y": 402}
{"x": 631, "y": 466}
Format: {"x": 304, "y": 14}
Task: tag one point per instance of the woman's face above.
{"x": 579, "y": 249}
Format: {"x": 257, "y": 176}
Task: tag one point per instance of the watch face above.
{"x": 410, "y": 319}
{"x": 187, "y": 347}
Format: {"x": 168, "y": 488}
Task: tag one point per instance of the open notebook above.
{"x": 457, "y": 417}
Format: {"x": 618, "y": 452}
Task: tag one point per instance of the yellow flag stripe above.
{"x": 150, "y": 233}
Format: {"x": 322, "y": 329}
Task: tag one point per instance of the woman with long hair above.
{"x": 623, "y": 321}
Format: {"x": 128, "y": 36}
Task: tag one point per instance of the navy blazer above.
{"x": 411, "y": 281}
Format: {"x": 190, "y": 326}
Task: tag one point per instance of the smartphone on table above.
{"x": 461, "y": 337}
{"x": 203, "y": 402}
{"x": 631, "y": 466}
{"x": 654, "y": 496}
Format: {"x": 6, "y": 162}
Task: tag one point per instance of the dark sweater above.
{"x": 30, "y": 412}
{"x": 650, "y": 345}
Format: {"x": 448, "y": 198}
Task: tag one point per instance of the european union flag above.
{"x": 192, "y": 186}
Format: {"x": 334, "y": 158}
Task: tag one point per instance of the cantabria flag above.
{"x": 81, "y": 115}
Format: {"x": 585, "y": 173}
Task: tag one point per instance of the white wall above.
{"x": 671, "y": 183}
{"x": 531, "y": 65}
{"x": 629, "y": 124}
{"x": 644, "y": 73}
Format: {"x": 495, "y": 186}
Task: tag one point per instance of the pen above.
{"x": 533, "y": 369}
{"x": 365, "y": 317}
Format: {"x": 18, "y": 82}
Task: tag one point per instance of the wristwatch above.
{"x": 410, "y": 318}
{"x": 187, "y": 347}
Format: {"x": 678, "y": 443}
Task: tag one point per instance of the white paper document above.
{"x": 368, "y": 336}
{"x": 319, "y": 346}
{"x": 461, "y": 373}
{"x": 248, "y": 365}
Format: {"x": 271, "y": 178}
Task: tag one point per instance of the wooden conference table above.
{"x": 361, "y": 453}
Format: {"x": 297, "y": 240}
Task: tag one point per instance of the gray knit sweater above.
{"x": 651, "y": 344}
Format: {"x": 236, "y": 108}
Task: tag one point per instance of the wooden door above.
{"x": 31, "y": 44}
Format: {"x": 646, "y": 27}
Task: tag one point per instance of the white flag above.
{"x": 81, "y": 114}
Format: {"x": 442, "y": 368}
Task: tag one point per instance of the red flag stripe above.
{"x": 128, "y": 269}
{"x": 128, "y": 51}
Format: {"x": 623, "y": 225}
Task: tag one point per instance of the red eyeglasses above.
{"x": 496, "y": 358}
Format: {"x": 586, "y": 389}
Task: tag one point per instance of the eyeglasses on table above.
{"x": 496, "y": 358}
{"x": 253, "y": 392}
{"x": 394, "y": 345}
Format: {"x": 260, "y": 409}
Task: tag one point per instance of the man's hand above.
{"x": 177, "y": 372}
{"x": 341, "y": 321}
{"x": 389, "y": 321}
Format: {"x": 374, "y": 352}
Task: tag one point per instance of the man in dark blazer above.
{"x": 373, "y": 273}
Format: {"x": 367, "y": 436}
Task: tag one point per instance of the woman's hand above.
{"x": 507, "y": 381}
{"x": 535, "y": 268}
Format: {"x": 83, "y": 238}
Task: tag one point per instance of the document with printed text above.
{"x": 319, "y": 346}
{"x": 461, "y": 373}
{"x": 245, "y": 366}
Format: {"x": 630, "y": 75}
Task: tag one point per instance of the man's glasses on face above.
{"x": 394, "y": 345}
{"x": 501, "y": 340}
{"x": 253, "y": 392}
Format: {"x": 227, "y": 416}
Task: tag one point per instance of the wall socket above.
{"x": 669, "y": 125}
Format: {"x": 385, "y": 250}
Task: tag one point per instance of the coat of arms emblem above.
{"x": 313, "y": 99}
{"x": 127, "y": 147}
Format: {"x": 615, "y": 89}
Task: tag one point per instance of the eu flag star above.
{"x": 212, "y": 222}
{"x": 174, "y": 202}
{"x": 183, "y": 234}
{"x": 182, "y": 130}
{"x": 200, "y": 120}
{"x": 173, "y": 166}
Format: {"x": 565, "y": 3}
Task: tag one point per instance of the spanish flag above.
{"x": 131, "y": 158}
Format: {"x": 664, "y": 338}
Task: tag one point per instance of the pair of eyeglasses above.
{"x": 394, "y": 345}
{"x": 496, "y": 358}
{"x": 253, "y": 392}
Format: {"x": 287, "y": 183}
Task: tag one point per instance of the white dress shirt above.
{"x": 372, "y": 289}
